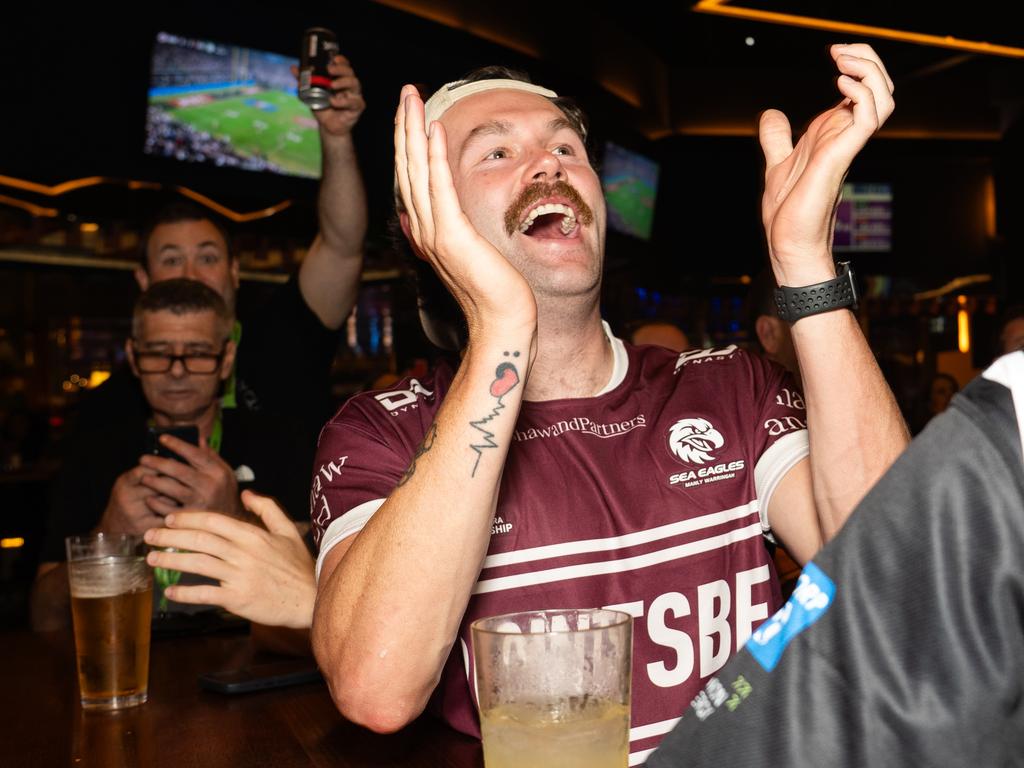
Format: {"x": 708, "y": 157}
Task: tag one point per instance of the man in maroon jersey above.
{"x": 560, "y": 467}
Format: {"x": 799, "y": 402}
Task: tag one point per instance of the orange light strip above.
{"x": 91, "y": 181}
{"x": 953, "y": 285}
{"x": 963, "y": 331}
{"x": 35, "y": 210}
{"x": 240, "y": 218}
{"x": 722, "y": 8}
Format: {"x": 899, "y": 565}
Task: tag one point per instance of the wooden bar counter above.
{"x": 182, "y": 726}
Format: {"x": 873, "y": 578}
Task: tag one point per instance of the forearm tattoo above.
{"x": 426, "y": 445}
{"x": 506, "y": 378}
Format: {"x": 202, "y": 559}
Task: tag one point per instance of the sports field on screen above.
{"x": 256, "y": 123}
{"x": 630, "y": 183}
{"x": 234, "y": 107}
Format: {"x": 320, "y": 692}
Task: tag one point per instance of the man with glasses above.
{"x": 182, "y": 353}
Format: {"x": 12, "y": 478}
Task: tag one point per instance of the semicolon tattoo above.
{"x": 506, "y": 378}
{"x": 426, "y": 445}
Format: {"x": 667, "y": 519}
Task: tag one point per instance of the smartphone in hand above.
{"x": 190, "y": 434}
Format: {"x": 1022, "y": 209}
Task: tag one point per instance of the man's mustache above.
{"x": 540, "y": 190}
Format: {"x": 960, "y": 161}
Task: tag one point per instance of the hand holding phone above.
{"x": 190, "y": 434}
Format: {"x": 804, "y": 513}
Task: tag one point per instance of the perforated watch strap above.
{"x": 838, "y": 293}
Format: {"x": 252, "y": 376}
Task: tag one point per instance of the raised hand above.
{"x": 487, "y": 287}
{"x": 803, "y": 183}
{"x": 347, "y": 102}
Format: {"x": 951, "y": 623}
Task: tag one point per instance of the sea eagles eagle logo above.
{"x": 692, "y": 440}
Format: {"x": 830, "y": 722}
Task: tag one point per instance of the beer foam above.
{"x": 108, "y": 576}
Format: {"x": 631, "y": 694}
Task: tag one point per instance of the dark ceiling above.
{"x": 697, "y": 73}
{"x": 659, "y": 77}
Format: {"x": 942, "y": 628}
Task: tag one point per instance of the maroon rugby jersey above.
{"x": 645, "y": 497}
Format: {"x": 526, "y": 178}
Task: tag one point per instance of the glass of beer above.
{"x": 112, "y": 605}
{"x": 553, "y": 688}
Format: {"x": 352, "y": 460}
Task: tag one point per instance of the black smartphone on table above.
{"x": 261, "y": 677}
{"x": 190, "y": 434}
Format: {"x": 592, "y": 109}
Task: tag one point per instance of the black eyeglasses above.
{"x": 194, "y": 362}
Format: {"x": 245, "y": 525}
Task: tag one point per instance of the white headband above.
{"x": 447, "y": 95}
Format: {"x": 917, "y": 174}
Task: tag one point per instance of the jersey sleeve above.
{"x": 364, "y": 451}
{"x": 780, "y": 428}
{"x": 355, "y": 469}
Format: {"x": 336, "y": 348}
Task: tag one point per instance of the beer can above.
{"x": 319, "y": 46}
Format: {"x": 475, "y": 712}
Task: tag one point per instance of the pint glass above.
{"x": 553, "y": 688}
{"x": 112, "y": 605}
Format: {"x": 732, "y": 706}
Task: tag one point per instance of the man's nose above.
{"x": 546, "y": 167}
{"x": 178, "y": 369}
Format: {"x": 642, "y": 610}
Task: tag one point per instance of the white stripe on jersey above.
{"x": 619, "y": 542}
{"x": 605, "y": 567}
{"x": 638, "y": 758}
{"x": 652, "y": 729}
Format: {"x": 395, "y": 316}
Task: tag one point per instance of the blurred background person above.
{"x": 937, "y": 396}
{"x": 772, "y": 335}
{"x": 1011, "y": 332}
{"x": 660, "y": 332}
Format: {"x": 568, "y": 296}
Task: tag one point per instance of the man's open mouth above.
{"x": 550, "y": 220}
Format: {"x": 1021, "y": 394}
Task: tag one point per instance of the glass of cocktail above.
{"x": 553, "y": 688}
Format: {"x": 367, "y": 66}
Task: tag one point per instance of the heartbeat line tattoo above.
{"x": 426, "y": 445}
{"x": 506, "y": 378}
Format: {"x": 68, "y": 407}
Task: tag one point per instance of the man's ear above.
{"x": 129, "y": 353}
{"x": 403, "y": 221}
{"x": 768, "y": 333}
{"x": 142, "y": 278}
{"x": 236, "y": 271}
{"x": 227, "y": 364}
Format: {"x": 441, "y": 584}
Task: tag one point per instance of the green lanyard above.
{"x": 228, "y": 400}
{"x": 165, "y": 577}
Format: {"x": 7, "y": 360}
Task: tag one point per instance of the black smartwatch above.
{"x": 838, "y": 293}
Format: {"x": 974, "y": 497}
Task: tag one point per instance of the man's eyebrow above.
{"x": 559, "y": 124}
{"x": 490, "y": 128}
{"x": 175, "y": 247}
{"x": 167, "y": 343}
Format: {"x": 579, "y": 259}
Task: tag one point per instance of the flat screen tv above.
{"x": 630, "y": 183}
{"x": 864, "y": 219}
{"x": 229, "y": 106}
